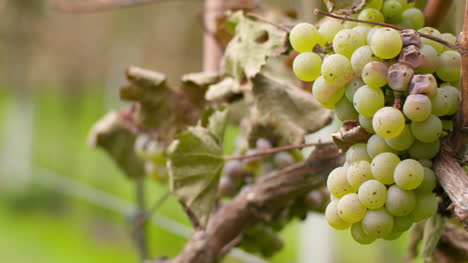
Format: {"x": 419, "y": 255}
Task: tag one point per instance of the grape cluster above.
{"x": 401, "y": 88}
{"x": 152, "y": 153}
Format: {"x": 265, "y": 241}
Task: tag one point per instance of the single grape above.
{"x": 408, "y": 174}
{"x": 429, "y": 182}
{"x": 344, "y": 110}
{"x": 453, "y": 96}
{"x": 392, "y": 236}
{"x": 363, "y": 30}
{"x": 377, "y": 223}
{"x": 450, "y": 39}
{"x": 403, "y": 141}
{"x": 402, "y": 223}
{"x": 435, "y": 33}
{"x": 367, "y": 100}
{"x": 371, "y": 14}
{"x": 337, "y": 183}
{"x": 333, "y": 219}
{"x": 359, "y": 236}
{"x": 376, "y": 4}
{"x": 366, "y": 123}
{"x": 372, "y": 194}
{"x": 411, "y": 56}
{"x": 450, "y": 66}
{"x": 337, "y": 69}
{"x": 283, "y": 159}
{"x": 399, "y": 76}
{"x": 414, "y": 18}
{"x": 430, "y": 59}
{"x": 400, "y": 202}
{"x": 423, "y": 150}
{"x": 388, "y": 122}
{"x": 358, "y": 172}
{"x": 357, "y": 152}
{"x": 428, "y": 130}
{"x": 383, "y": 167}
{"x": 417, "y": 107}
{"x": 410, "y": 37}
{"x": 352, "y": 86}
{"x": 362, "y": 56}
{"x": 377, "y": 145}
{"x": 386, "y": 43}
{"x": 374, "y": 74}
{"x": 226, "y": 187}
{"x": 306, "y": 66}
{"x": 303, "y": 37}
{"x": 426, "y": 206}
{"x": 329, "y": 29}
{"x": 326, "y": 93}
{"x": 371, "y": 33}
{"x": 347, "y": 41}
{"x": 392, "y": 11}
{"x": 423, "y": 84}
{"x": 350, "y": 208}
{"x": 263, "y": 144}
{"x": 446, "y": 101}
{"x": 234, "y": 169}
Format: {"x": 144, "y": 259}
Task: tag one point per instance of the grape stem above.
{"x": 273, "y": 150}
{"x": 398, "y": 102}
{"x": 436, "y": 39}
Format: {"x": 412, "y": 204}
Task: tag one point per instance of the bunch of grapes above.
{"x": 152, "y": 153}
{"x": 400, "y": 87}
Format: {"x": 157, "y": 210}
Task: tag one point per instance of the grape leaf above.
{"x": 289, "y": 111}
{"x": 252, "y": 44}
{"x": 195, "y": 165}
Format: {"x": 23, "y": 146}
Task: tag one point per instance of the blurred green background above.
{"x": 61, "y": 201}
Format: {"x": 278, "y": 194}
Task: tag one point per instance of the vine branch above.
{"x": 273, "y": 150}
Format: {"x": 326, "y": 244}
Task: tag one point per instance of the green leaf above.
{"x": 195, "y": 165}
{"x": 433, "y": 230}
{"x": 287, "y": 110}
{"x": 252, "y": 44}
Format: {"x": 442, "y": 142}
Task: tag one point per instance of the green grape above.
{"x": 377, "y": 223}
{"x": 399, "y": 76}
{"x": 453, "y": 96}
{"x": 402, "y": 223}
{"x": 303, "y": 37}
{"x": 350, "y": 24}
{"x": 363, "y": 30}
{"x": 362, "y": 56}
{"x": 450, "y": 39}
{"x": 417, "y": 107}
{"x": 337, "y": 69}
{"x": 358, "y": 172}
{"x": 429, "y": 182}
{"x": 326, "y": 93}
{"x": 344, "y": 110}
{"x": 333, "y": 219}
{"x": 371, "y": 33}
{"x": 337, "y": 183}
{"x": 307, "y": 65}
{"x": 383, "y": 167}
{"x": 359, "y": 236}
{"x": 376, "y": 4}
{"x": 392, "y": 11}
{"x": 430, "y": 59}
{"x": 374, "y": 74}
{"x": 366, "y": 123}
{"x": 450, "y": 66}
{"x": 357, "y": 152}
{"x": 350, "y": 208}
{"x": 403, "y": 141}
{"x": 386, "y": 43}
{"x": 403, "y": 3}
{"x": 377, "y": 145}
{"x": 329, "y": 29}
{"x": 414, "y": 18}
{"x": 392, "y": 236}
{"x": 388, "y": 122}
{"x": 346, "y": 42}
{"x": 426, "y": 206}
{"x": 428, "y": 130}
{"x": 425, "y": 163}
{"x": 367, "y": 100}
{"x": 352, "y": 86}
{"x": 408, "y": 174}
{"x": 435, "y": 33}
{"x": 446, "y": 101}
{"x": 400, "y": 202}
{"x": 372, "y": 194}
{"x": 423, "y": 150}
{"x": 371, "y": 14}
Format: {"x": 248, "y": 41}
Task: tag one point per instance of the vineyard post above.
{"x": 212, "y": 51}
